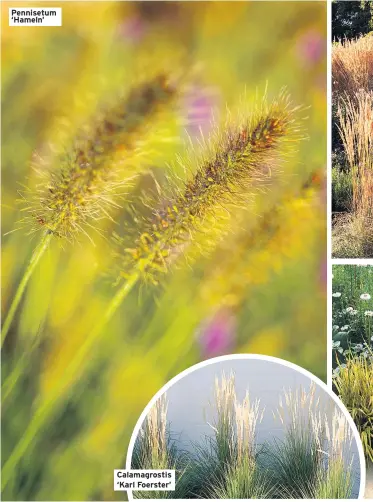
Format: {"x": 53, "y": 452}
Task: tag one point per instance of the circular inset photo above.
{"x": 249, "y": 426}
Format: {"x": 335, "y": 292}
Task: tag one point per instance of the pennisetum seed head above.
{"x": 83, "y": 187}
{"x": 238, "y": 160}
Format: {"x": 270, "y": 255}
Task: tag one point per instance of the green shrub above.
{"x": 341, "y": 190}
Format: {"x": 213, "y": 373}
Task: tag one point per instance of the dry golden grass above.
{"x": 356, "y": 131}
{"x": 352, "y": 238}
{"x": 352, "y": 66}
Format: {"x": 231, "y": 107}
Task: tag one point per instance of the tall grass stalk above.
{"x": 34, "y": 260}
{"x": 356, "y": 126}
{"x": 223, "y": 424}
{"x": 151, "y": 446}
{"x": 226, "y": 465}
{"x": 242, "y": 477}
{"x": 336, "y": 482}
{"x": 352, "y": 66}
{"x": 83, "y": 189}
{"x": 154, "y": 449}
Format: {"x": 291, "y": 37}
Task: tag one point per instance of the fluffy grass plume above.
{"x": 81, "y": 190}
{"x": 151, "y": 448}
{"x": 336, "y": 482}
{"x": 82, "y": 187}
{"x": 354, "y": 384}
{"x": 223, "y": 407}
{"x": 227, "y": 461}
{"x": 352, "y": 66}
{"x": 242, "y": 477}
{"x": 236, "y": 162}
{"x": 154, "y": 449}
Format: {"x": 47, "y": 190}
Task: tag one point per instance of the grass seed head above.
{"x": 238, "y": 161}
{"x": 89, "y": 178}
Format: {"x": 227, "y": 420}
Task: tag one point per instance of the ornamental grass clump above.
{"x": 152, "y": 446}
{"x": 243, "y": 478}
{"x": 155, "y": 449}
{"x": 88, "y": 181}
{"x": 218, "y": 451}
{"x": 314, "y": 460}
{"x": 352, "y": 66}
{"x": 354, "y": 385}
{"x": 336, "y": 480}
{"x": 296, "y": 461}
{"x": 356, "y": 125}
{"x": 225, "y": 466}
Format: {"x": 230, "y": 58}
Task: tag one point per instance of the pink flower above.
{"x": 199, "y": 106}
{"x": 217, "y": 335}
{"x": 310, "y": 47}
{"x": 133, "y": 29}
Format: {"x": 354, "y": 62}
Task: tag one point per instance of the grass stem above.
{"x": 37, "y": 254}
{"x": 76, "y": 364}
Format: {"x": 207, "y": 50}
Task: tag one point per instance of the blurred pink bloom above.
{"x": 310, "y": 47}
{"x": 133, "y": 29}
{"x": 217, "y": 335}
{"x": 199, "y": 105}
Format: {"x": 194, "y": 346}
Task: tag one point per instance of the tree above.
{"x": 352, "y": 18}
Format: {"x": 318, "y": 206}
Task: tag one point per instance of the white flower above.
{"x": 368, "y": 313}
{"x": 365, "y": 296}
{"x": 353, "y": 312}
{"x": 345, "y": 327}
{"x": 349, "y": 309}
{"x": 336, "y": 327}
{"x": 336, "y": 295}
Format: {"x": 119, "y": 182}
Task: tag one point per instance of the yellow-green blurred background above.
{"x": 257, "y": 292}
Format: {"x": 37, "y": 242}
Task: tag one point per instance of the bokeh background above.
{"x": 262, "y": 290}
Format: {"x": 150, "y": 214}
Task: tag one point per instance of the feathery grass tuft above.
{"x": 82, "y": 189}
{"x": 235, "y": 164}
{"x": 151, "y": 448}
{"x": 88, "y": 176}
{"x": 336, "y": 482}
{"x": 154, "y": 449}
{"x": 352, "y": 66}
{"x": 227, "y": 461}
